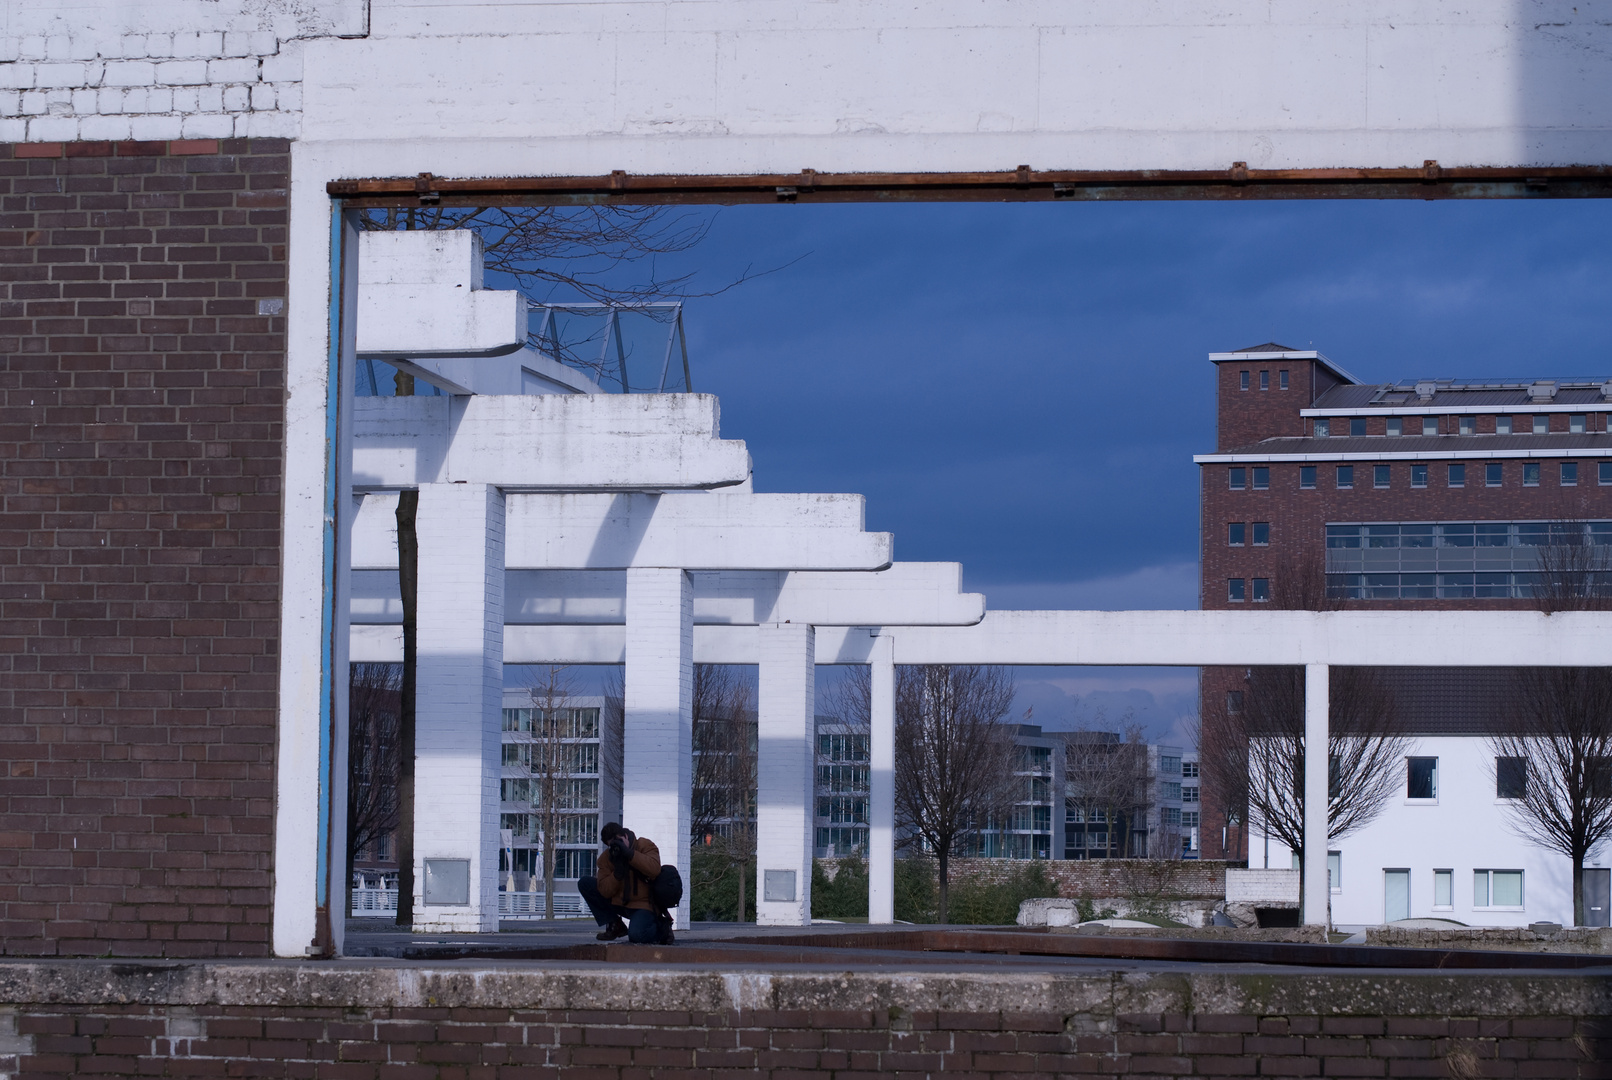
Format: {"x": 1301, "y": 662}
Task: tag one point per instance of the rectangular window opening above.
{"x": 1457, "y": 476}
{"x": 1357, "y": 426}
{"x": 1380, "y": 475}
{"x": 1429, "y": 425}
{"x": 1530, "y": 474}
{"x": 1395, "y": 426}
{"x": 1262, "y": 590}
{"x": 1493, "y": 474}
{"x": 1235, "y": 590}
{"x": 1418, "y": 476}
{"x": 1234, "y": 534}
{"x": 1262, "y": 533}
{"x": 1469, "y": 425}
{"x": 1237, "y": 478}
{"x": 1346, "y": 476}
{"x": 1421, "y": 778}
{"x": 1262, "y": 478}
{"x": 1443, "y": 890}
{"x": 1576, "y": 424}
{"x": 1510, "y": 777}
{"x": 1323, "y": 427}
{"x": 1307, "y": 476}
{"x": 1265, "y": 380}
{"x": 1281, "y": 380}
{"x": 1243, "y": 379}
{"x": 1541, "y": 425}
{"x": 1569, "y": 474}
{"x": 1502, "y": 425}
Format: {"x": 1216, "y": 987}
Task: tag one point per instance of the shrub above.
{"x": 714, "y": 888}
{"x": 915, "y": 890}
{"x": 997, "y": 903}
{"x": 845, "y": 896}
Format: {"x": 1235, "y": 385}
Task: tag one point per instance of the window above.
{"x": 1170, "y": 789}
{"x": 1262, "y": 533}
{"x": 1443, "y": 890}
{"x": 1429, "y": 425}
{"x": 1189, "y": 769}
{"x": 1497, "y": 889}
{"x": 1189, "y": 819}
{"x": 1530, "y": 474}
{"x": 1380, "y": 475}
{"x": 1238, "y": 478}
{"x": 1603, "y": 472}
{"x": 1418, "y": 476}
{"x": 1395, "y": 426}
{"x": 1541, "y": 425}
{"x": 1346, "y": 476}
{"x": 1421, "y": 778}
{"x": 1307, "y": 476}
{"x": 1469, "y": 425}
{"x": 1458, "y": 476}
{"x": 1189, "y": 793}
{"x": 1264, "y": 380}
{"x": 1243, "y": 376}
{"x": 1262, "y": 590}
{"x": 1234, "y": 590}
{"x": 1569, "y": 474}
{"x": 1234, "y": 701}
{"x": 1262, "y": 477}
{"x": 1335, "y": 871}
{"x": 1323, "y": 427}
{"x": 1357, "y": 426}
{"x": 1575, "y": 424}
{"x": 1492, "y": 473}
{"x": 1169, "y": 764}
{"x": 1169, "y": 815}
{"x": 1510, "y": 777}
{"x": 1234, "y": 534}
{"x": 1281, "y": 380}
{"x": 1502, "y": 425}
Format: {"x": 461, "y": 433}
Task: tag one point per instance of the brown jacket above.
{"x": 634, "y": 892}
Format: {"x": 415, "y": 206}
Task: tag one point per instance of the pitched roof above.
{"x": 1269, "y": 346}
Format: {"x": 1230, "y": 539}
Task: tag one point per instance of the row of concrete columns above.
{"x": 459, "y": 702}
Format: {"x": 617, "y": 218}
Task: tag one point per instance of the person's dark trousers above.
{"x": 642, "y": 928}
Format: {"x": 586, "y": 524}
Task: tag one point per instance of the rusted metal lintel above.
{"x": 1430, "y": 181}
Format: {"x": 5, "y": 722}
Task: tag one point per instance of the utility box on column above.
{"x": 459, "y": 699}
{"x": 785, "y": 730}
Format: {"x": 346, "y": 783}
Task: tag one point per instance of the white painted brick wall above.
{"x": 786, "y": 699}
{"x": 238, "y": 75}
{"x": 459, "y": 703}
{"x": 658, "y": 728}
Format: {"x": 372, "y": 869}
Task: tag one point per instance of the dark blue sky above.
{"x": 1021, "y": 387}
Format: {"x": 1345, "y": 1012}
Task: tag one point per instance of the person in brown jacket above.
{"x": 621, "y": 887}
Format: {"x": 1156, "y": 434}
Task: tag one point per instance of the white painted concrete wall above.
{"x": 1465, "y": 829}
{"x": 651, "y": 85}
{"x": 459, "y": 697}
{"x": 421, "y": 294}
{"x": 785, "y": 732}
{"x": 553, "y": 441}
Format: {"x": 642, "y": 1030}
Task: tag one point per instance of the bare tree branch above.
{"x": 374, "y": 708}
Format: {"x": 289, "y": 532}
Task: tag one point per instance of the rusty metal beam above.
{"x": 1430, "y": 181}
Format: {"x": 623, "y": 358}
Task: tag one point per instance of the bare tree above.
{"x": 374, "y": 708}
{"x": 1366, "y": 749}
{"x": 555, "y": 755}
{"x": 1106, "y": 775}
{"x": 724, "y": 783}
{"x": 1557, "y": 754}
{"x": 954, "y": 756}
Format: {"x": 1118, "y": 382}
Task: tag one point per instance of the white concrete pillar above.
{"x": 459, "y": 697}
{"x": 658, "y": 726}
{"x": 1317, "y": 890}
{"x": 786, "y": 732}
{"x": 882, "y": 784}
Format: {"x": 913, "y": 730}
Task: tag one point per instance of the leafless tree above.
{"x": 1106, "y": 775}
{"x": 724, "y": 783}
{"x": 1366, "y": 749}
{"x": 1558, "y": 750}
{"x": 374, "y": 706}
{"x": 554, "y": 758}
{"x": 954, "y": 756}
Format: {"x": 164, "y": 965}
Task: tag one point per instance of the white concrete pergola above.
{"x": 620, "y": 529}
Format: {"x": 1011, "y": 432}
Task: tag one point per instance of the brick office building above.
{"x": 1427, "y": 494}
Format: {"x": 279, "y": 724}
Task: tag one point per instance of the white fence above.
{"x": 529, "y": 905}
{"x": 374, "y": 902}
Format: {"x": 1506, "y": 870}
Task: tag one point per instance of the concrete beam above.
{"x": 539, "y": 442}
{"x": 420, "y": 295}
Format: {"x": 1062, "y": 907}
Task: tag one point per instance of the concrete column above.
{"x": 1316, "y": 889}
{"x": 458, "y": 708}
{"x": 786, "y": 731}
{"x": 658, "y": 727}
{"x": 882, "y": 784}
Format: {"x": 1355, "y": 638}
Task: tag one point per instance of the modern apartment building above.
{"x": 1323, "y": 490}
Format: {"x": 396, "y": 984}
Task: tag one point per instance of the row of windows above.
{"x": 1237, "y": 590}
{"x": 838, "y": 778}
{"x": 1264, "y": 379}
{"x": 841, "y": 841}
{"x": 557, "y": 759}
{"x": 1490, "y": 888}
{"x": 1469, "y": 534}
{"x": 1184, "y": 792}
{"x": 1258, "y": 532}
{"x": 565, "y": 723}
{"x": 568, "y": 794}
{"x": 1238, "y": 477}
{"x": 1395, "y": 426}
{"x": 843, "y": 809}
{"x": 843, "y": 747}
{"x": 568, "y": 828}
{"x": 1515, "y": 585}
{"x": 1186, "y": 819}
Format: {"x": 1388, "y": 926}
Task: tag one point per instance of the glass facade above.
{"x": 1448, "y": 560}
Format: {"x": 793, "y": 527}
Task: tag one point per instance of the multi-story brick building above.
{"x": 1432, "y": 493}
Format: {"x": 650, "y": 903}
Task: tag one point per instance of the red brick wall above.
{"x": 365, "y": 1043}
{"x": 1247, "y": 416}
{"x": 141, "y": 441}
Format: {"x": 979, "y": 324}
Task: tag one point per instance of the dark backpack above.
{"x": 666, "y": 891}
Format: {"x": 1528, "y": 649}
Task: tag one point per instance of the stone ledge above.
{"x": 570, "y": 987}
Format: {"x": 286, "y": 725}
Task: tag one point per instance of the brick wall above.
{"x": 516, "y": 1022}
{"x": 141, "y": 444}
